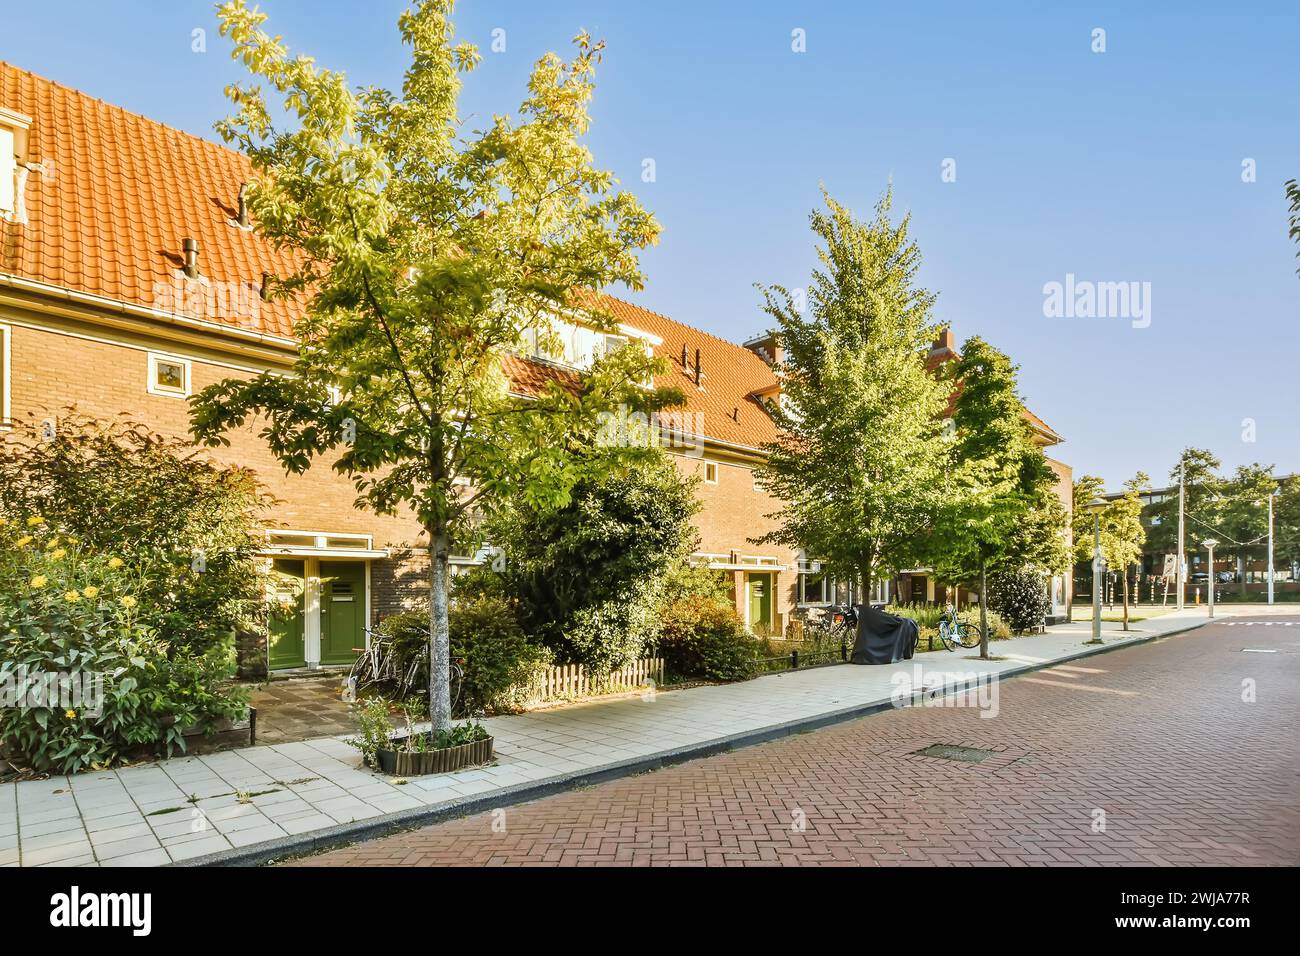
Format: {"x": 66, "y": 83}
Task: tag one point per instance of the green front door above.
{"x": 286, "y": 614}
{"x": 342, "y": 610}
{"x": 760, "y": 602}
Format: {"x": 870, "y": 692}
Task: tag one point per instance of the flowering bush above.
{"x": 1020, "y": 597}
{"x": 188, "y": 526}
{"x": 84, "y": 675}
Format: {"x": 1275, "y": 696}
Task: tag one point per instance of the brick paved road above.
{"x": 1156, "y": 736}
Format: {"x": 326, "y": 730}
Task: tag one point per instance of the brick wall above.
{"x": 51, "y": 370}
{"x": 733, "y": 512}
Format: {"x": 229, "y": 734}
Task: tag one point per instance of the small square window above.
{"x": 710, "y": 473}
{"x": 168, "y": 375}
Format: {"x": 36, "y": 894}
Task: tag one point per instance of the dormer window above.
{"x": 13, "y": 162}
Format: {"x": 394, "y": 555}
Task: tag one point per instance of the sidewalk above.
{"x": 261, "y": 802}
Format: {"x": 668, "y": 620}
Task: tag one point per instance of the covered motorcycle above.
{"x": 883, "y": 638}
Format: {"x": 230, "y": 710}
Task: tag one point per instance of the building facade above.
{"x": 130, "y": 279}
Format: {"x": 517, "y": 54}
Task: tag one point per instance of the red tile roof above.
{"x": 119, "y": 195}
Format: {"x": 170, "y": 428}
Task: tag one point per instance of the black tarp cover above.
{"x": 883, "y": 638}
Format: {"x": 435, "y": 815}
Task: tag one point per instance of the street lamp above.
{"x": 1210, "y": 544}
{"x": 1096, "y": 506}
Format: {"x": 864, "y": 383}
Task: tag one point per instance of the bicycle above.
{"x": 956, "y": 633}
{"x": 379, "y": 664}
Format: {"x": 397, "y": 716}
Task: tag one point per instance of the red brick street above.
{"x": 1145, "y": 756}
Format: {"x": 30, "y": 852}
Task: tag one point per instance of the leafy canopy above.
{"x": 430, "y": 255}
{"x": 1004, "y": 511}
{"x": 860, "y": 454}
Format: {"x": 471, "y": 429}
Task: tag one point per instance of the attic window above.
{"x": 13, "y": 160}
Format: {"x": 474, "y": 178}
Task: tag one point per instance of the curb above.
{"x": 390, "y": 823}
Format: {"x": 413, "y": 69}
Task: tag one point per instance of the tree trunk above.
{"x": 1241, "y": 573}
{"x": 984, "y": 613}
{"x": 439, "y": 633}
{"x": 1126, "y": 599}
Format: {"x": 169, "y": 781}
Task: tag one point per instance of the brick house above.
{"x": 130, "y": 279}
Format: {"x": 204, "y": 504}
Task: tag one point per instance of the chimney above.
{"x": 946, "y": 342}
{"x": 686, "y": 359}
{"x": 699, "y": 369}
{"x": 191, "y": 249}
{"x": 241, "y": 218}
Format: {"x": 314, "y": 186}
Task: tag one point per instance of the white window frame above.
{"x": 6, "y": 376}
{"x": 711, "y": 466}
{"x": 155, "y": 388}
{"x": 828, "y": 589}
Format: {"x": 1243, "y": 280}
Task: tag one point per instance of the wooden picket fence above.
{"x": 567, "y": 681}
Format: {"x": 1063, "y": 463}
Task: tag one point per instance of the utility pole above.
{"x": 1182, "y": 469}
{"x": 1271, "y": 496}
{"x": 1210, "y": 545}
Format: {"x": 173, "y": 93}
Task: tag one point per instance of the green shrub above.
{"x": 701, "y": 637}
{"x": 1020, "y": 598}
{"x": 71, "y": 613}
{"x": 495, "y": 654}
{"x": 589, "y": 577}
{"x": 189, "y": 528}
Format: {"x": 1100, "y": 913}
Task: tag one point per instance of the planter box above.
{"x": 403, "y": 764}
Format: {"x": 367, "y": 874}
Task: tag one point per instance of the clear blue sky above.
{"x": 1119, "y": 166}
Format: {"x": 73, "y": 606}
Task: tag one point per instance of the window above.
{"x": 168, "y": 375}
{"x": 813, "y": 589}
{"x": 710, "y": 473}
{"x": 4, "y": 377}
{"x": 614, "y": 342}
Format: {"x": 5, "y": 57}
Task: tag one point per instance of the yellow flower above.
{"x": 40, "y": 581}
{"x": 115, "y": 563}
{"x": 52, "y": 543}
{"x": 72, "y": 597}
{"x": 57, "y": 553}
{"x": 24, "y": 540}
{"x": 3, "y": 522}
{"x": 90, "y": 592}
{"x": 128, "y": 601}
{"x": 34, "y": 520}
{"x": 70, "y": 714}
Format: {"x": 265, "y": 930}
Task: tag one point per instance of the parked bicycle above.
{"x": 955, "y": 633}
{"x": 379, "y": 665}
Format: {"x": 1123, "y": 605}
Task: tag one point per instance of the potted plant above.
{"x": 413, "y": 752}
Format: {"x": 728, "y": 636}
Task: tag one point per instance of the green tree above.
{"x": 1122, "y": 533}
{"x": 430, "y": 255}
{"x": 1286, "y": 523}
{"x": 1203, "y": 494}
{"x": 860, "y": 457}
{"x": 1243, "y": 514}
{"x": 1002, "y": 478}
{"x": 1085, "y": 490}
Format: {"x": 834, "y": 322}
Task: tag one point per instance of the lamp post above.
{"x": 1276, "y": 492}
{"x": 1210, "y": 544}
{"x": 1096, "y": 506}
